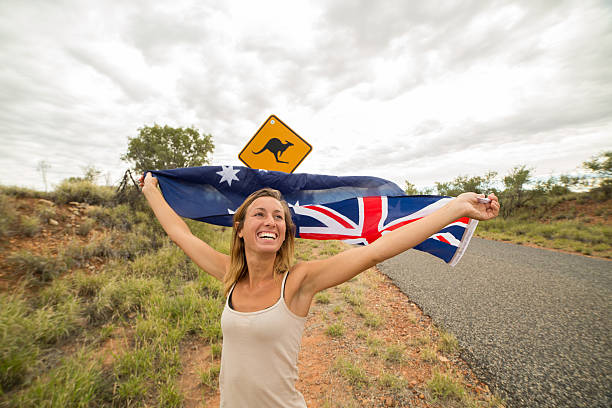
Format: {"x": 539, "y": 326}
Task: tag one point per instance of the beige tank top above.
{"x": 259, "y": 357}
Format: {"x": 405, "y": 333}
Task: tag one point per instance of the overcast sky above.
{"x": 416, "y": 90}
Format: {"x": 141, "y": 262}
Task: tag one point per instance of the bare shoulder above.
{"x": 297, "y": 296}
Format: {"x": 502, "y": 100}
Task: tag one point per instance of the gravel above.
{"x": 534, "y": 324}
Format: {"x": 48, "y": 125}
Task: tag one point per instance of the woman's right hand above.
{"x": 147, "y": 182}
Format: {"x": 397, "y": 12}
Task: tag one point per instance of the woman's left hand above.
{"x": 477, "y": 210}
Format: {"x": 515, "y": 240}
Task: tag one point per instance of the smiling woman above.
{"x": 263, "y": 319}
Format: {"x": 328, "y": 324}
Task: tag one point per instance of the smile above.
{"x": 267, "y": 235}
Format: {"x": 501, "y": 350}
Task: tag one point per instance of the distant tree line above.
{"x": 518, "y": 189}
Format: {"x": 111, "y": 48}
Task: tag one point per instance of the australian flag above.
{"x": 357, "y": 210}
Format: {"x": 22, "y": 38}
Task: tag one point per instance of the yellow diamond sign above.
{"x": 275, "y": 147}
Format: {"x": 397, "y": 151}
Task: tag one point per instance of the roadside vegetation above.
{"x": 569, "y": 213}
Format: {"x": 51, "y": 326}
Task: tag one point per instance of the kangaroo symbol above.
{"x": 276, "y": 147}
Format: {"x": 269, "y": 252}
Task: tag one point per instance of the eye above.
{"x": 279, "y": 217}
{"x": 258, "y": 214}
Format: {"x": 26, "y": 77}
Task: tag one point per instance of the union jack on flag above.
{"x": 356, "y": 209}
{"x": 363, "y": 220}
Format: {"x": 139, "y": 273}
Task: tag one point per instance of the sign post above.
{"x": 275, "y": 147}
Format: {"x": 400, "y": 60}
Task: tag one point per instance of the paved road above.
{"x": 534, "y": 324}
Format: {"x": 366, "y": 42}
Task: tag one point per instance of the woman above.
{"x": 264, "y": 315}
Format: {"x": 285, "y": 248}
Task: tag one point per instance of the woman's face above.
{"x": 264, "y": 225}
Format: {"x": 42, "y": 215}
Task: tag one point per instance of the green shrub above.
{"x": 83, "y": 191}
{"x": 335, "y": 330}
{"x": 78, "y": 381}
{"x": 169, "y": 261}
{"x": 445, "y": 386}
{"x": 355, "y": 375}
{"x": 23, "y": 192}
{"x": 393, "y": 382}
{"x": 322, "y": 297}
{"x": 215, "y": 350}
{"x": 447, "y": 343}
{"x": 131, "y": 371}
{"x": 212, "y": 307}
{"x": 46, "y": 212}
{"x": 54, "y": 323}
{"x": 429, "y": 354}
{"x": 38, "y": 268}
{"x": 85, "y": 226}
{"x": 394, "y": 354}
{"x": 170, "y": 396}
{"x": 8, "y": 216}
{"x": 353, "y": 298}
{"x": 29, "y": 226}
{"x": 210, "y": 377}
{"x": 119, "y": 297}
{"x": 121, "y": 216}
{"x": 18, "y": 351}
{"x": 88, "y": 285}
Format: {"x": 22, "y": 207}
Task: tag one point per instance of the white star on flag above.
{"x": 228, "y": 174}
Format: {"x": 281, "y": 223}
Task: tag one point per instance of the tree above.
{"x": 601, "y": 165}
{"x": 461, "y": 184}
{"x": 516, "y": 194}
{"x": 411, "y": 189}
{"x": 158, "y": 147}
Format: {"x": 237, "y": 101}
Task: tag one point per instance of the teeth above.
{"x": 267, "y": 235}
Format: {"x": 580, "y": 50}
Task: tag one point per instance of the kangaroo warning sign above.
{"x": 275, "y": 147}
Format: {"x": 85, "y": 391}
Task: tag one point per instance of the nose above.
{"x": 269, "y": 220}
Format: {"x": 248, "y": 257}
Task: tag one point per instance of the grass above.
{"x": 445, "y": 386}
{"x": 78, "y": 381}
{"x": 352, "y": 372}
{"x": 353, "y": 297}
{"x": 38, "y": 268}
{"x": 595, "y": 239}
{"x": 428, "y": 354}
{"x": 322, "y": 298}
{"x": 392, "y": 382}
{"x": 394, "y": 354}
{"x": 8, "y": 215}
{"x": 29, "y": 226}
{"x": 83, "y": 192}
{"x": 335, "y": 330}
{"x": 447, "y": 342}
{"x": 210, "y": 377}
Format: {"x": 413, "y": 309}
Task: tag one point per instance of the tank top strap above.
{"x": 283, "y": 286}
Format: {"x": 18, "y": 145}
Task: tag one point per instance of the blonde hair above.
{"x": 284, "y": 256}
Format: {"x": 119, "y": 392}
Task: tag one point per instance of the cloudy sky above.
{"x": 417, "y": 90}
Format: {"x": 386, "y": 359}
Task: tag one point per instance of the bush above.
{"x": 120, "y": 297}
{"x": 76, "y": 382}
{"x": 355, "y": 375}
{"x": 23, "y": 192}
{"x": 29, "y": 226}
{"x": 8, "y": 216}
{"x": 18, "y": 352}
{"x": 85, "y": 226}
{"x": 45, "y": 212}
{"x": 445, "y": 386}
{"x": 54, "y": 323}
{"x": 83, "y": 191}
{"x": 36, "y": 267}
{"x": 120, "y": 217}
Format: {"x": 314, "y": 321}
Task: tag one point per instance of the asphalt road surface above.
{"x": 534, "y": 324}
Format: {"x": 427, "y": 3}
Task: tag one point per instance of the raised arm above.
{"x": 210, "y": 260}
{"x": 322, "y": 274}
